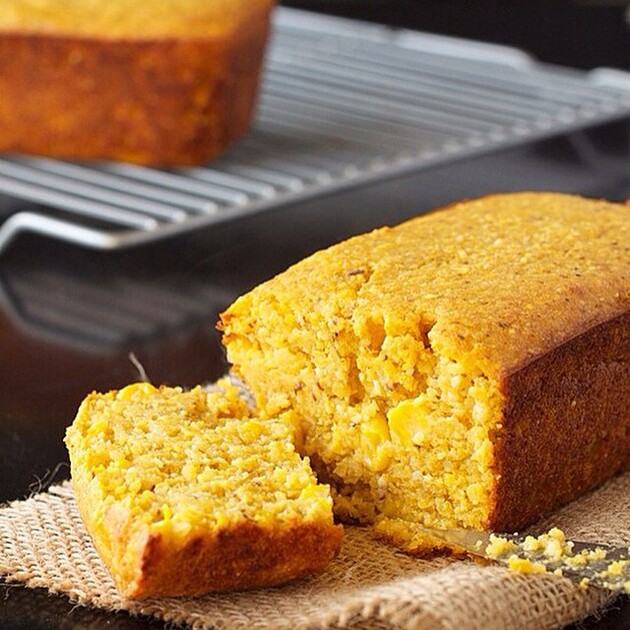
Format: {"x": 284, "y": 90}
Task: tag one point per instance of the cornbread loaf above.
{"x": 161, "y": 83}
{"x": 185, "y": 492}
{"x": 467, "y": 369}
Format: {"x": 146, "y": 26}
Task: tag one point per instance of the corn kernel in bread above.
{"x": 185, "y": 492}
{"x": 467, "y": 369}
{"x": 162, "y": 83}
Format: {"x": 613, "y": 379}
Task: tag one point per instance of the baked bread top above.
{"x": 465, "y": 369}
{"x": 128, "y": 18}
{"x": 494, "y": 282}
{"x": 185, "y": 492}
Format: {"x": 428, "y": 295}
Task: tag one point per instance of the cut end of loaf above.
{"x": 400, "y": 431}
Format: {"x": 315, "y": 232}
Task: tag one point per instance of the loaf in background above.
{"x": 162, "y": 83}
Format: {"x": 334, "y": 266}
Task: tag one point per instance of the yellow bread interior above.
{"x": 179, "y": 465}
{"x": 129, "y": 18}
{"x": 389, "y": 352}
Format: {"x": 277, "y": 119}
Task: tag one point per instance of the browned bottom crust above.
{"x": 425, "y": 551}
{"x": 245, "y": 556}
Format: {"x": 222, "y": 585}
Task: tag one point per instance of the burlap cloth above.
{"x": 43, "y": 544}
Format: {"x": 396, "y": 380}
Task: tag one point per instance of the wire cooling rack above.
{"x": 342, "y": 104}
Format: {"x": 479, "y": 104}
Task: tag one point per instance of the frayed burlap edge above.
{"x": 43, "y": 544}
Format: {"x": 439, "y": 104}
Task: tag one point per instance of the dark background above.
{"x": 43, "y": 377}
{"x": 583, "y": 34}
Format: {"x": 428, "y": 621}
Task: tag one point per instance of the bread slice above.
{"x": 187, "y": 492}
{"x": 467, "y": 369}
{"x": 163, "y": 83}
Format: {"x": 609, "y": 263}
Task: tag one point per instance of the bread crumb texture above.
{"x": 551, "y": 552}
{"x": 166, "y": 476}
{"x": 389, "y": 352}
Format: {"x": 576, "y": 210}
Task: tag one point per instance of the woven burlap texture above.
{"x": 43, "y": 544}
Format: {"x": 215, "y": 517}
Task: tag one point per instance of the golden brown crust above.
{"x": 242, "y": 557}
{"x": 164, "y": 101}
{"x": 566, "y": 425}
{"x": 507, "y": 313}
